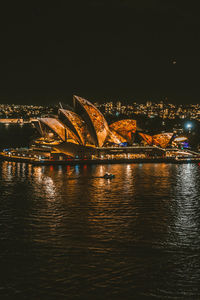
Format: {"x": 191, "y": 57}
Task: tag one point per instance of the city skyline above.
{"x": 150, "y": 109}
{"x": 83, "y": 133}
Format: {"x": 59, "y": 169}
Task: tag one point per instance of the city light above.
{"x": 77, "y": 136}
{"x": 189, "y": 125}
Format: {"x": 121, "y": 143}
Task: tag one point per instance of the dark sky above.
{"x": 122, "y": 49}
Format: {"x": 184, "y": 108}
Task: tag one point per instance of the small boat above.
{"x": 108, "y": 176}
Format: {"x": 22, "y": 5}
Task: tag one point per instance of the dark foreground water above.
{"x": 66, "y": 233}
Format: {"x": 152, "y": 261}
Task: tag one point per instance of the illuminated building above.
{"x": 162, "y": 140}
{"x": 83, "y": 132}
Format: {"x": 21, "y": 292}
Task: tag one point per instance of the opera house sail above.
{"x": 125, "y": 128}
{"x": 162, "y": 140}
{"x": 82, "y": 131}
{"x": 93, "y": 117}
{"x": 77, "y": 125}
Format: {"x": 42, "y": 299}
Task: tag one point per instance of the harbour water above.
{"x": 67, "y": 233}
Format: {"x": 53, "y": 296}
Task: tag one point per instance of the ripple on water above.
{"x": 67, "y": 232}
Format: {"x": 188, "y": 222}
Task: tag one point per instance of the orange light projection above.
{"x": 125, "y": 128}
{"x": 148, "y": 138}
{"x": 114, "y": 137}
{"x": 97, "y": 119}
{"x": 161, "y": 140}
{"x": 59, "y": 129}
{"x": 80, "y": 128}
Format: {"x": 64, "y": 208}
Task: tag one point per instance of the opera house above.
{"x": 83, "y": 132}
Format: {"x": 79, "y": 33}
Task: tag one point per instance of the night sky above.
{"x": 101, "y": 50}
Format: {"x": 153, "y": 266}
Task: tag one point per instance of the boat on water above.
{"x": 108, "y": 176}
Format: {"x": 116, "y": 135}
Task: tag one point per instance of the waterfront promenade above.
{"x": 76, "y": 161}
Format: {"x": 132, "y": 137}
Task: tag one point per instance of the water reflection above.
{"x": 186, "y": 224}
{"x": 136, "y": 234}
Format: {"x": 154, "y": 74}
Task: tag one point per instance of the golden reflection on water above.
{"x": 151, "y": 193}
{"x": 142, "y": 224}
{"x": 111, "y": 199}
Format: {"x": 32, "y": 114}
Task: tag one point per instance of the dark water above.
{"x": 68, "y": 234}
{"x": 16, "y": 135}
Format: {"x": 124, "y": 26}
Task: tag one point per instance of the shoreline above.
{"x": 165, "y": 160}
